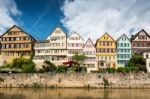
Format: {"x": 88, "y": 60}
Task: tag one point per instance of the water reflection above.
{"x": 12, "y": 96}
{"x": 28, "y": 93}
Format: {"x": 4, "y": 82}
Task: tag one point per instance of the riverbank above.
{"x": 116, "y": 80}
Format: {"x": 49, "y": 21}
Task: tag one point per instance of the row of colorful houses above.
{"x": 60, "y": 47}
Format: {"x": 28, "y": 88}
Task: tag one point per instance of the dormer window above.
{"x": 57, "y": 31}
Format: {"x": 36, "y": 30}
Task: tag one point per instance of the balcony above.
{"x": 54, "y": 54}
{"x": 17, "y": 49}
{"x": 19, "y": 41}
{"x": 46, "y": 47}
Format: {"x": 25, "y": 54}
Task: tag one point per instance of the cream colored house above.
{"x": 54, "y": 49}
{"x": 74, "y": 45}
{"x": 41, "y": 49}
{"x": 90, "y": 52}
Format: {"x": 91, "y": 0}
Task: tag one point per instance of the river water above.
{"x": 41, "y": 93}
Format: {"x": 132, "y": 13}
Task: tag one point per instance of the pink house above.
{"x": 90, "y": 52}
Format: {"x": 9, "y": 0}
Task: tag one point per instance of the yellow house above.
{"x": 106, "y": 54}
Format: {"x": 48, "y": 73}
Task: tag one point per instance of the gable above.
{"x": 75, "y": 35}
{"x": 15, "y": 28}
{"x": 106, "y": 37}
{"x": 57, "y": 32}
{"x": 15, "y": 31}
{"x": 123, "y": 39}
{"x": 141, "y": 35}
{"x": 89, "y": 43}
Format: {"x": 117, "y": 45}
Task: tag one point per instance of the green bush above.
{"x": 134, "y": 69}
{"x": 103, "y": 70}
{"x": 121, "y": 69}
{"x": 111, "y": 70}
{"x": 61, "y": 69}
{"x": 127, "y": 69}
{"x": 77, "y": 69}
{"x": 19, "y": 65}
{"x": 137, "y": 61}
{"x": 47, "y": 67}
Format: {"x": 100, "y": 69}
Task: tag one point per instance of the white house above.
{"x": 147, "y": 57}
{"x": 53, "y": 49}
{"x": 74, "y": 45}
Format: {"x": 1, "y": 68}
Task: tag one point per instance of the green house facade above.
{"x": 123, "y": 50}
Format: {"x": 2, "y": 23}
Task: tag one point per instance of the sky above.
{"x": 89, "y": 18}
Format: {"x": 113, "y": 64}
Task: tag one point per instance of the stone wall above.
{"x": 118, "y": 80}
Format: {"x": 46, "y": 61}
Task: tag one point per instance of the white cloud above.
{"x": 8, "y": 9}
{"x": 91, "y": 18}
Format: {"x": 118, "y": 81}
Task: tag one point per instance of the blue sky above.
{"x": 89, "y": 18}
{"x": 39, "y": 17}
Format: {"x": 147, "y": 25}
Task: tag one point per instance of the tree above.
{"x": 21, "y": 63}
{"x": 61, "y": 69}
{"x": 137, "y": 61}
{"x": 49, "y": 66}
{"x": 28, "y": 66}
{"x": 79, "y": 58}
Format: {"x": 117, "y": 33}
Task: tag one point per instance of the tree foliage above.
{"x": 80, "y": 58}
{"x": 48, "y": 67}
{"x": 137, "y": 61}
{"x": 21, "y": 63}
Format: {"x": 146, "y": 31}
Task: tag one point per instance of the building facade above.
{"x": 74, "y": 45}
{"x": 147, "y": 57}
{"x": 15, "y": 43}
{"x": 106, "y": 51}
{"x": 140, "y": 42}
{"x": 90, "y": 52}
{"x": 55, "y": 50}
{"x": 41, "y": 52}
{"x": 123, "y": 50}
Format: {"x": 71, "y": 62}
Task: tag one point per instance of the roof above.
{"x": 58, "y": 26}
{"x": 121, "y": 37}
{"x": 77, "y": 34}
{"x": 142, "y": 30}
{"x": 102, "y": 36}
{"x": 18, "y": 28}
{"x": 108, "y": 35}
{"x": 89, "y": 39}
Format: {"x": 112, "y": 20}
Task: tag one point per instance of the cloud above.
{"x": 91, "y": 18}
{"x": 8, "y": 9}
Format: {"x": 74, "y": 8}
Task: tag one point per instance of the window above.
{"x": 27, "y": 45}
{"x": 12, "y": 46}
{"x": 91, "y": 66}
{"x": 17, "y": 45}
{"x": 121, "y": 45}
{"x": 12, "y": 39}
{"x": 17, "y": 38}
{"x": 58, "y": 31}
{"x": 125, "y": 45}
{"x": 3, "y": 46}
{"x": 101, "y": 64}
{"x": 146, "y": 55}
{"x": 7, "y": 45}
